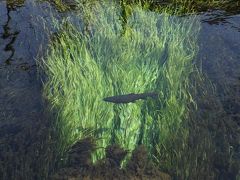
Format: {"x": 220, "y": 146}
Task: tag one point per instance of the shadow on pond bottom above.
{"x": 79, "y": 165}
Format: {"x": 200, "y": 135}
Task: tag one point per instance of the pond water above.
{"x": 25, "y": 140}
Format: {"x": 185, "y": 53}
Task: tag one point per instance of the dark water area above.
{"x": 24, "y": 135}
{"x": 219, "y": 55}
{"x": 219, "y": 50}
{"x": 21, "y": 109}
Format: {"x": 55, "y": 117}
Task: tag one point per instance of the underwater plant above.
{"x": 144, "y": 51}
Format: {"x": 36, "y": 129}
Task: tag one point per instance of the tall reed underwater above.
{"x": 144, "y": 51}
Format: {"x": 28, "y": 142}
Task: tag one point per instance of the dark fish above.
{"x": 127, "y": 98}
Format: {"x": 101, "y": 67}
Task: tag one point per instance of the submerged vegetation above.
{"x": 142, "y": 52}
{"x": 203, "y": 5}
{"x": 183, "y": 6}
{"x": 190, "y": 130}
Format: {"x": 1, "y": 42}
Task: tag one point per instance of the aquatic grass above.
{"x": 191, "y": 154}
{"x": 208, "y": 3}
{"x": 148, "y": 51}
{"x": 77, "y": 90}
{"x": 60, "y": 5}
{"x": 189, "y": 6}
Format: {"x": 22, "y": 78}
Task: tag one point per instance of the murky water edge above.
{"x": 22, "y": 119}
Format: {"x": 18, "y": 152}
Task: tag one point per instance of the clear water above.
{"x": 23, "y": 123}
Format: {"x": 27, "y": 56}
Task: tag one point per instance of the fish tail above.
{"x": 152, "y": 95}
{"x": 143, "y": 96}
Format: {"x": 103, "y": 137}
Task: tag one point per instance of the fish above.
{"x": 127, "y": 98}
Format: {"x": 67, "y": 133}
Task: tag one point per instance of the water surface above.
{"x": 24, "y": 132}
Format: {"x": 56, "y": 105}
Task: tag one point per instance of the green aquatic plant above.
{"x": 75, "y": 89}
{"x": 144, "y": 51}
{"x": 188, "y": 6}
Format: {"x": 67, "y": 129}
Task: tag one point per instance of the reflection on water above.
{"x": 9, "y": 35}
{"x": 22, "y": 27}
{"x": 221, "y": 18}
{"x": 22, "y": 122}
{"x": 11, "y": 5}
